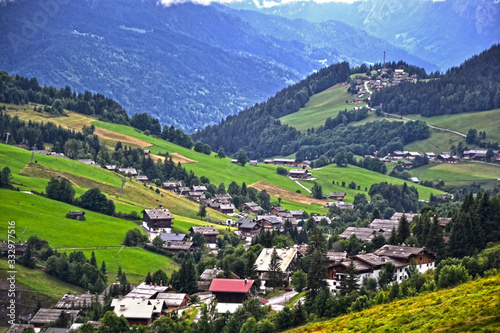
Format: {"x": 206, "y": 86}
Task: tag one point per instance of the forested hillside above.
{"x": 258, "y": 131}
{"x": 474, "y": 86}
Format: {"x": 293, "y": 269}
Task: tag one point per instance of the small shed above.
{"x": 76, "y": 215}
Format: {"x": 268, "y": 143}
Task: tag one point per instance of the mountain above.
{"x": 441, "y": 32}
{"x": 188, "y": 65}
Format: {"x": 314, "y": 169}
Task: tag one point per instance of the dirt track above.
{"x": 276, "y": 191}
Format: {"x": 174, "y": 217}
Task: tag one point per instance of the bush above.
{"x": 281, "y": 171}
{"x": 134, "y": 237}
{"x": 452, "y": 275}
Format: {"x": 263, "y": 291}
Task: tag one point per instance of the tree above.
{"x": 221, "y": 153}
{"x": 6, "y": 178}
{"x": 134, "y": 237}
{"x": 60, "y": 190}
{"x": 27, "y": 259}
{"x": 202, "y": 212}
{"x": 351, "y": 282}
{"x": 317, "y": 191}
{"x": 299, "y": 280}
{"x": 242, "y": 157}
{"x": 452, "y": 275}
{"x": 316, "y": 252}
{"x": 251, "y": 269}
{"x": 403, "y": 229}
{"x": 341, "y": 159}
{"x": 281, "y": 171}
{"x": 158, "y": 242}
{"x": 111, "y": 323}
{"x": 275, "y": 274}
{"x": 94, "y": 200}
{"x": 386, "y": 275}
{"x": 93, "y": 260}
{"x": 199, "y": 240}
{"x": 250, "y": 326}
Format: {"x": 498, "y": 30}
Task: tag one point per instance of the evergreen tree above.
{"x": 202, "y": 212}
{"x": 148, "y": 279}
{"x": 403, "y": 229}
{"x": 6, "y": 178}
{"x": 316, "y": 275}
{"x": 242, "y": 157}
{"x": 27, "y": 259}
{"x": 392, "y": 239}
{"x": 351, "y": 282}
{"x": 275, "y": 274}
{"x": 93, "y": 260}
{"x": 103, "y": 268}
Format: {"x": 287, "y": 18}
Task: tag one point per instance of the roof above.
{"x": 142, "y": 177}
{"x": 401, "y": 252}
{"x": 299, "y": 171}
{"x": 253, "y": 206}
{"x": 72, "y": 301}
{"x": 132, "y": 171}
{"x": 443, "y": 221}
{"x": 246, "y": 223}
{"x": 284, "y": 160}
{"x": 45, "y": 316}
{"x": 173, "y": 299}
{"x": 230, "y": 206}
{"x": 264, "y": 258}
{"x": 75, "y": 213}
{"x": 199, "y": 188}
{"x": 158, "y": 214}
{"x": 279, "y": 209}
{"x": 336, "y": 256}
{"x": 409, "y": 216}
{"x": 205, "y": 230}
{"x": 297, "y": 212}
{"x": 337, "y": 194}
{"x": 231, "y": 285}
{"x": 171, "y": 237}
{"x": 177, "y": 245}
{"x": 134, "y": 308}
{"x": 363, "y": 234}
{"x": 146, "y": 291}
{"x": 383, "y": 224}
{"x": 210, "y": 273}
{"x": 19, "y": 328}
{"x": 269, "y": 218}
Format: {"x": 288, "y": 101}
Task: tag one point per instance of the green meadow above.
{"x": 362, "y": 177}
{"x": 482, "y": 121}
{"x": 326, "y": 104}
{"x": 438, "y": 142}
{"x": 470, "y": 307}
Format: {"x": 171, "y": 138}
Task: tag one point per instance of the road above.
{"x": 279, "y": 301}
{"x": 305, "y": 188}
{"x": 429, "y": 125}
{"x": 366, "y": 88}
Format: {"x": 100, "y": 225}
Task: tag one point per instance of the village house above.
{"x": 172, "y": 237}
{"x": 268, "y": 161}
{"x": 232, "y": 290}
{"x": 397, "y": 155}
{"x": 270, "y": 221}
{"x": 253, "y": 162}
{"x": 431, "y": 156}
{"x": 299, "y": 173}
{"x": 110, "y": 167}
{"x": 284, "y": 161}
{"x": 297, "y": 213}
{"x": 286, "y": 257}
{"x": 277, "y": 210}
{"x": 412, "y": 155}
{"x": 128, "y": 171}
{"x": 157, "y": 219}
{"x": 423, "y": 258}
{"x": 46, "y": 316}
{"x": 147, "y": 291}
{"x": 364, "y": 234}
{"x": 304, "y": 164}
{"x": 143, "y": 179}
{"x": 443, "y": 222}
{"x": 182, "y": 190}
{"x": 78, "y": 302}
{"x": 444, "y": 196}
{"x": 206, "y": 278}
{"x": 19, "y": 328}
{"x": 252, "y": 208}
{"x": 210, "y": 233}
{"x": 409, "y": 216}
{"x": 319, "y": 218}
{"x": 76, "y": 215}
{"x": 174, "y": 301}
{"x": 340, "y": 204}
{"x": 200, "y": 188}
{"x": 248, "y": 227}
{"x": 222, "y": 198}
{"x": 171, "y": 186}
{"x": 339, "y": 196}
{"x": 18, "y": 250}
{"x": 446, "y": 158}
{"x": 226, "y": 208}
{"x": 87, "y": 161}
{"x": 178, "y": 246}
{"x": 139, "y": 311}
{"x": 384, "y": 224}
{"x": 197, "y": 196}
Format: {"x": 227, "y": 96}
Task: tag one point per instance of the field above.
{"x": 482, "y": 121}
{"x": 326, "y": 104}
{"x": 470, "y": 307}
{"x": 362, "y": 177}
{"x": 460, "y": 173}
{"x": 437, "y": 143}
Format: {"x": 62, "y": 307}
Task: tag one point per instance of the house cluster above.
{"x": 288, "y": 162}
{"x": 369, "y": 265}
{"x": 481, "y": 155}
{"x": 380, "y": 82}
{"x": 383, "y": 227}
{"x": 444, "y": 157}
{"x": 249, "y": 227}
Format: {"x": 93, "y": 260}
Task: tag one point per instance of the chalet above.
{"x": 172, "y": 185}
{"x": 277, "y": 210}
{"x": 253, "y": 162}
{"x": 16, "y": 249}
{"x": 268, "y": 162}
{"x": 286, "y": 257}
{"x": 413, "y": 155}
{"x": 397, "y": 155}
{"x": 340, "y": 196}
{"x": 200, "y": 188}
{"x": 358, "y": 100}
{"x": 139, "y": 311}
{"x": 128, "y": 171}
{"x": 174, "y": 301}
{"x": 235, "y": 161}
{"x": 364, "y": 234}
{"x": 384, "y": 224}
{"x": 405, "y": 164}
{"x": 210, "y": 233}
{"x": 158, "y": 219}
{"x": 19, "y": 328}
{"x": 340, "y": 204}
{"x": 415, "y": 180}
{"x": 147, "y": 291}
{"x": 446, "y": 158}
{"x": 206, "y": 278}
{"x": 87, "y": 161}
{"x": 443, "y": 222}
{"x": 409, "y": 216}
{"x": 473, "y": 152}
{"x": 319, "y": 218}
{"x": 196, "y": 196}
{"x": 78, "y": 302}
{"x": 46, "y": 316}
{"x": 178, "y": 246}
{"x": 304, "y": 164}
{"x": 284, "y": 161}
{"x": 143, "y": 179}
{"x": 334, "y": 257}
{"x": 431, "y": 156}
{"x": 399, "y": 72}
{"x": 299, "y": 173}
{"x": 248, "y": 227}
{"x": 252, "y": 208}
{"x": 182, "y": 190}
{"x": 424, "y": 258}
{"x": 171, "y": 237}
{"x": 223, "y": 198}
{"x": 226, "y": 208}
{"x": 212, "y": 204}
{"x": 232, "y": 290}
{"x": 110, "y": 167}
{"x": 297, "y": 213}
{"x": 270, "y": 221}
{"x": 76, "y": 215}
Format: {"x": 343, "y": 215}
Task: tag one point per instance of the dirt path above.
{"x": 429, "y": 125}
{"x": 305, "y": 188}
{"x": 175, "y": 158}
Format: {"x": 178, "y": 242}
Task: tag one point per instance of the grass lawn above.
{"x": 482, "y": 121}
{"x": 40, "y": 283}
{"x": 470, "y": 307}
{"x": 326, "y": 104}
{"x": 134, "y": 261}
{"x": 438, "y": 142}
{"x": 362, "y": 177}
{"x": 461, "y": 172}
{"x": 36, "y": 215}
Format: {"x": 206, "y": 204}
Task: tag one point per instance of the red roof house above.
{"x": 231, "y": 290}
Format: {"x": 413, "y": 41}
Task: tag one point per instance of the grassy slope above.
{"x": 360, "y": 176}
{"x": 472, "y": 306}
{"x": 482, "y": 121}
{"x": 326, "y": 104}
{"x": 39, "y": 282}
{"x": 437, "y": 143}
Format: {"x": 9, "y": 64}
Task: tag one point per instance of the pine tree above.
{"x": 103, "y": 267}
{"x": 392, "y": 239}
{"x": 148, "y": 279}
{"x": 93, "y": 260}
{"x": 403, "y": 229}
{"x": 27, "y": 259}
{"x": 275, "y": 274}
{"x": 351, "y": 282}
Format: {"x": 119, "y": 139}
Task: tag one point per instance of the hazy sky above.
{"x": 265, "y": 3}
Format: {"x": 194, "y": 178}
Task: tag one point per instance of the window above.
{"x": 420, "y": 258}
